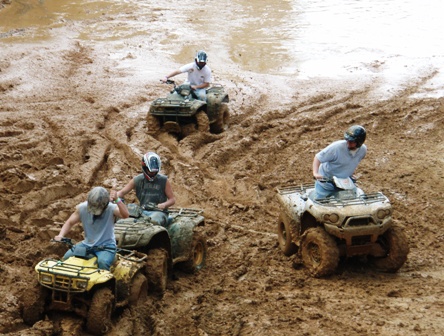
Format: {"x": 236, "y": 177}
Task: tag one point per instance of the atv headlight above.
{"x": 331, "y": 218}
{"x": 382, "y": 213}
{"x": 46, "y": 278}
{"x": 81, "y": 284}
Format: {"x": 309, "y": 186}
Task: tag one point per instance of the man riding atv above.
{"x": 199, "y": 74}
{"x": 152, "y": 188}
{"x": 97, "y": 216}
{"x": 340, "y": 159}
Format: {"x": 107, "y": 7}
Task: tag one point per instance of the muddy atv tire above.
{"x": 157, "y": 270}
{"x": 285, "y": 237}
{"x": 221, "y": 124}
{"x": 34, "y": 305}
{"x": 98, "y": 321}
{"x": 395, "y": 242}
{"x": 319, "y": 252}
{"x": 203, "y": 123}
{"x": 153, "y": 124}
{"x": 197, "y": 257}
{"x": 139, "y": 290}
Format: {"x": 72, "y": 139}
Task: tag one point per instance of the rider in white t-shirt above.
{"x": 199, "y": 74}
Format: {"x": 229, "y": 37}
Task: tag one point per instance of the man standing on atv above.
{"x": 97, "y": 216}
{"x": 153, "y": 190}
{"x": 199, "y": 74}
{"x": 339, "y": 159}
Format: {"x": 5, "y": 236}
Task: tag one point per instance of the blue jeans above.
{"x": 325, "y": 189}
{"x": 105, "y": 257}
{"x": 157, "y": 217}
{"x": 201, "y": 94}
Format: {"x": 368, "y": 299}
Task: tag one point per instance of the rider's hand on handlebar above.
{"x": 318, "y": 176}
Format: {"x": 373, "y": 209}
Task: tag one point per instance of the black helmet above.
{"x": 98, "y": 200}
{"x": 151, "y": 165}
{"x": 357, "y": 134}
{"x": 201, "y": 57}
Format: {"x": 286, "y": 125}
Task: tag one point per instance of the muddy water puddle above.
{"x": 263, "y": 36}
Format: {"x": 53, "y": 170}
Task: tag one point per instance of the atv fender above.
{"x": 124, "y": 272}
{"x": 216, "y": 95}
{"x": 133, "y": 233}
{"x": 292, "y": 209}
{"x": 181, "y": 234}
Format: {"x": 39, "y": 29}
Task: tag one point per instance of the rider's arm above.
{"x": 121, "y": 210}
{"x": 172, "y": 74}
{"x": 200, "y": 86}
{"x": 171, "y": 199}
{"x": 316, "y": 165}
{"x": 126, "y": 189}
{"x": 71, "y": 221}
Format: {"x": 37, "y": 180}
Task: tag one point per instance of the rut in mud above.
{"x": 72, "y": 118}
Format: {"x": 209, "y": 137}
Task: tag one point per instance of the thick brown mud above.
{"x": 73, "y": 116}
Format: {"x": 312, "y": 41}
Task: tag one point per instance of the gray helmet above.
{"x": 151, "y": 165}
{"x": 357, "y": 134}
{"x": 201, "y": 57}
{"x": 98, "y": 200}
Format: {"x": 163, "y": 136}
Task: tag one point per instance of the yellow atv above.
{"x": 79, "y": 286}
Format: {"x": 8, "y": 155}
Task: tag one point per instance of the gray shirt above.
{"x": 99, "y": 230}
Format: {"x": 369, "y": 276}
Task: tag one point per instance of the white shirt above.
{"x": 196, "y": 76}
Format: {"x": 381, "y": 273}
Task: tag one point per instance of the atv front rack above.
{"x": 56, "y": 274}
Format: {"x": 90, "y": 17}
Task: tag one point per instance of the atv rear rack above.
{"x": 186, "y": 212}
{"x": 304, "y": 190}
{"x": 363, "y": 199}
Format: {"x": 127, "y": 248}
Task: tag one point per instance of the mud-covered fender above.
{"x": 197, "y": 105}
{"x": 134, "y": 233}
{"x": 292, "y": 210}
{"x": 181, "y": 235}
{"x": 216, "y": 96}
{"x": 124, "y": 272}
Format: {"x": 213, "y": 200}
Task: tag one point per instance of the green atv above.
{"x": 181, "y": 112}
{"x": 178, "y": 244}
{"x": 78, "y": 285}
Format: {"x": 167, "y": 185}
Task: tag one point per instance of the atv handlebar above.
{"x": 64, "y": 240}
{"x": 152, "y": 207}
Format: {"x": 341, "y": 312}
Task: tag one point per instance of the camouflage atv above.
{"x": 181, "y": 112}
{"x": 77, "y": 285}
{"x": 344, "y": 225}
{"x": 177, "y": 244}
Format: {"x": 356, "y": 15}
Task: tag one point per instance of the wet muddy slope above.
{"x": 72, "y": 116}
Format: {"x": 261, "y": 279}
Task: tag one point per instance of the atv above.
{"x": 177, "y": 244}
{"x": 348, "y": 223}
{"x": 181, "y": 112}
{"x": 78, "y": 285}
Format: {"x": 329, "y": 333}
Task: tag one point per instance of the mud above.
{"x": 72, "y": 116}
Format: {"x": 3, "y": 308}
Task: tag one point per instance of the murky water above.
{"x": 264, "y": 36}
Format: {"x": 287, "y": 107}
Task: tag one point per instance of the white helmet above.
{"x": 201, "y": 59}
{"x": 151, "y": 165}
